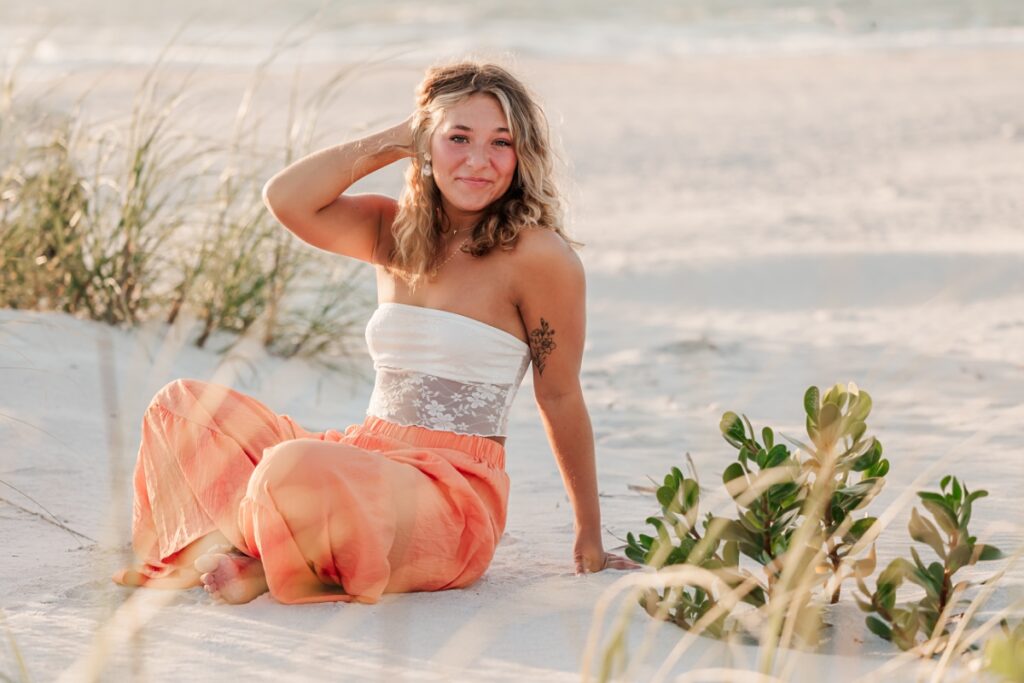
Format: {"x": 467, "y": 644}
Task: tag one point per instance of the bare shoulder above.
{"x": 544, "y": 254}
{"x": 551, "y": 298}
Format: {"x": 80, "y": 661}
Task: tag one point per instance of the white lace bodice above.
{"x": 443, "y": 370}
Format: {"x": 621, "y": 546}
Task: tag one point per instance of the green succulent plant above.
{"x": 778, "y": 490}
{"x": 681, "y": 537}
{"x": 927, "y": 620}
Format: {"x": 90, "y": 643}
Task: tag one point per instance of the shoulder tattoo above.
{"x": 542, "y": 343}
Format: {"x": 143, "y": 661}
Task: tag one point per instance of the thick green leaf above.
{"x": 656, "y": 522}
{"x": 857, "y": 429}
{"x": 752, "y": 521}
{"x": 731, "y": 553}
{"x": 768, "y": 436}
{"x": 811, "y": 403}
{"x": 966, "y": 510}
{"x": 921, "y": 576}
{"x": 917, "y": 559}
{"x": 879, "y": 628}
{"x": 732, "y": 530}
{"x": 776, "y": 456}
{"x": 676, "y": 556}
{"x": 752, "y": 550}
{"x": 886, "y": 594}
{"x": 812, "y": 430}
{"x": 959, "y": 556}
{"x": 691, "y": 494}
{"x": 665, "y": 495}
{"x": 861, "y": 452}
{"x": 943, "y": 515}
{"x": 905, "y": 634}
{"x": 980, "y": 493}
{"x": 734, "y": 478}
{"x": 677, "y": 474}
{"x": 923, "y": 531}
{"x": 732, "y": 428}
{"x": 859, "y": 528}
{"x": 828, "y": 416}
{"x": 862, "y": 408}
{"x": 880, "y": 469}
{"x": 838, "y": 515}
{"x": 749, "y": 429}
{"x": 990, "y": 552}
{"x": 761, "y": 458}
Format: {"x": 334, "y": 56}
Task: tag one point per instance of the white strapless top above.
{"x": 443, "y": 370}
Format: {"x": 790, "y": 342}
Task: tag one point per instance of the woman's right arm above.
{"x": 308, "y": 196}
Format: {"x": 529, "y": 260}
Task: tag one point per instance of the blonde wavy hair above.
{"x": 532, "y": 199}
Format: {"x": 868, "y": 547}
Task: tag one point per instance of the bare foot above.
{"x": 183, "y": 574}
{"x": 231, "y": 578}
{"x": 179, "y": 579}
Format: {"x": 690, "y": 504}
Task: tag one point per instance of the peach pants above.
{"x": 378, "y": 508}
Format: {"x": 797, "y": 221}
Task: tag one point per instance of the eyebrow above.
{"x": 459, "y": 126}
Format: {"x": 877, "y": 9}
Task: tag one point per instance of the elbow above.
{"x": 557, "y": 400}
{"x": 280, "y": 205}
{"x": 272, "y": 196}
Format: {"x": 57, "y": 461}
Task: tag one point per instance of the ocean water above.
{"x": 66, "y": 33}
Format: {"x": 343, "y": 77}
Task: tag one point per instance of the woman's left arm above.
{"x": 552, "y": 303}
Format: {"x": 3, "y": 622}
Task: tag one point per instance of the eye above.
{"x": 459, "y": 138}
{"x": 503, "y": 143}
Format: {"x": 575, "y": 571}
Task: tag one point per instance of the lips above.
{"x": 475, "y": 182}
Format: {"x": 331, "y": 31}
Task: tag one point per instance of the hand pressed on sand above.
{"x": 590, "y": 556}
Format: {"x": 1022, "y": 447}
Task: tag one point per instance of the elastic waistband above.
{"x": 479, "y": 448}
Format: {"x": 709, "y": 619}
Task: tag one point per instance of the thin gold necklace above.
{"x": 453, "y": 253}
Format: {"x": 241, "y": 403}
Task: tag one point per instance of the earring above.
{"x": 427, "y": 169}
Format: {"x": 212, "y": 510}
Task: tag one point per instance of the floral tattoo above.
{"x": 541, "y": 344}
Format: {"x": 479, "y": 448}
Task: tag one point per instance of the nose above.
{"x": 477, "y": 158}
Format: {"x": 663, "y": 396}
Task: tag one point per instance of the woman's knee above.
{"x": 179, "y": 391}
{"x": 283, "y": 463}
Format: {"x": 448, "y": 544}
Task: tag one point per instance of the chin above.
{"x": 471, "y": 206}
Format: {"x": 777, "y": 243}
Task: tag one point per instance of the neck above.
{"x": 457, "y": 219}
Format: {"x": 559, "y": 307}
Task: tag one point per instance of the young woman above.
{"x": 476, "y": 282}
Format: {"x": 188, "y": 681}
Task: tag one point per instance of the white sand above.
{"x": 754, "y": 225}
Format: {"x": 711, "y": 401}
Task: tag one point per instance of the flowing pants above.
{"x": 378, "y": 508}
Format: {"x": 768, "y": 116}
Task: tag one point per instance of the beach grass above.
{"x": 136, "y": 218}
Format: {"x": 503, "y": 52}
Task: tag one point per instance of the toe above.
{"x": 206, "y": 563}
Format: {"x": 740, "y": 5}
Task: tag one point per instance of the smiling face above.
{"x": 472, "y": 156}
